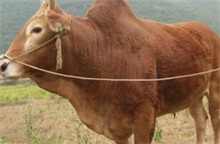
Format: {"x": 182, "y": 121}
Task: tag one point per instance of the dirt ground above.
{"x": 55, "y": 122}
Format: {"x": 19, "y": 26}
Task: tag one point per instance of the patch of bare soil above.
{"x": 55, "y": 122}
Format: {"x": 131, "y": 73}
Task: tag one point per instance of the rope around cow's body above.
{"x": 113, "y": 80}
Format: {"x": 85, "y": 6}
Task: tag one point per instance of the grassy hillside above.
{"x": 14, "y": 13}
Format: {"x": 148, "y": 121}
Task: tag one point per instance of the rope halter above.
{"x": 58, "y": 46}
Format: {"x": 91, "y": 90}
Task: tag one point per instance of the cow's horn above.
{"x": 52, "y": 4}
{"x": 42, "y": 2}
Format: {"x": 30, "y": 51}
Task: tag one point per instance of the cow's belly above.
{"x": 180, "y": 94}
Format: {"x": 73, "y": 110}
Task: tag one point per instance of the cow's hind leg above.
{"x": 214, "y": 105}
{"x": 200, "y": 116}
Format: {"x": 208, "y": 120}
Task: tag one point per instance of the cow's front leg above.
{"x": 144, "y": 123}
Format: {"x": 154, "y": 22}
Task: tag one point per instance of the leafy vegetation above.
{"x": 14, "y": 14}
{"x": 158, "y": 135}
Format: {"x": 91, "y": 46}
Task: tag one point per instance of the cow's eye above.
{"x": 36, "y": 30}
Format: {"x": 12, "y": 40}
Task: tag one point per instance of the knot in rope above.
{"x": 58, "y": 45}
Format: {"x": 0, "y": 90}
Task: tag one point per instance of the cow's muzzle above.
{"x": 8, "y": 68}
{"x": 3, "y": 63}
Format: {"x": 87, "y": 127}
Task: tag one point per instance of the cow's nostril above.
{"x": 4, "y": 67}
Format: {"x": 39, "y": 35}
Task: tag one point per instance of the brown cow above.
{"x": 111, "y": 42}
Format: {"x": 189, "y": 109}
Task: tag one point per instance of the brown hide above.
{"x": 111, "y": 42}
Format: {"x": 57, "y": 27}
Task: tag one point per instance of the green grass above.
{"x": 32, "y": 134}
{"x": 158, "y": 135}
{"x": 2, "y": 140}
{"x": 22, "y": 93}
{"x": 83, "y": 137}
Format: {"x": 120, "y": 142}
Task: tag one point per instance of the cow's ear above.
{"x": 58, "y": 20}
{"x": 52, "y": 4}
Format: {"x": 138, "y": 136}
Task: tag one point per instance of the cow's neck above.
{"x": 79, "y": 49}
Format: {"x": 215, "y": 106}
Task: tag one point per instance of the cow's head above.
{"x": 43, "y": 26}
